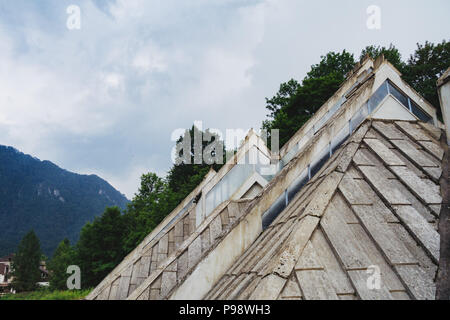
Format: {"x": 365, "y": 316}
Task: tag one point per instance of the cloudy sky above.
{"x": 105, "y": 99}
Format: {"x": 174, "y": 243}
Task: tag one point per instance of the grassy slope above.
{"x": 48, "y": 295}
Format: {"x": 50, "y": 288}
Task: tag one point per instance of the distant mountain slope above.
{"x": 54, "y": 202}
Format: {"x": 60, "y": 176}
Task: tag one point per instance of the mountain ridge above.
{"x": 56, "y": 203}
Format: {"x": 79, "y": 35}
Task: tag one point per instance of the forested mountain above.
{"x": 54, "y": 202}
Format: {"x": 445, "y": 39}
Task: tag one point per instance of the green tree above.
{"x": 282, "y": 97}
{"x": 148, "y": 208}
{"x": 158, "y": 197}
{"x": 180, "y": 175}
{"x": 338, "y": 63}
{"x": 391, "y": 54}
{"x": 63, "y": 257}
{"x": 100, "y": 247}
{"x": 424, "y": 68}
{"x": 26, "y": 263}
{"x": 295, "y": 103}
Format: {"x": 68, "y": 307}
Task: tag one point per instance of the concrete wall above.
{"x": 391, "y": 109}
{"x": 211, "y": 268}
{"x": 444, "y": 95}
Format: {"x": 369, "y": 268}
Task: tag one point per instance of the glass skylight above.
{"x": 320, "y": 159}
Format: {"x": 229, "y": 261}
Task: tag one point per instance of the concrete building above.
{"x": 444, "y": 97}
{"x": 349, "y": 209}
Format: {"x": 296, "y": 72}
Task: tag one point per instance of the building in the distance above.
{"x": 349, "y": 209}
{"x": 5, "y": 274}
{"x": 6, "y": 277}
{"x": 44, "y": 281}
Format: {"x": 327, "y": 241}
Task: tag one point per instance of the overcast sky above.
{"x": 105, "y": 99}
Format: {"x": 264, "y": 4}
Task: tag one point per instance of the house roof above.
{"x": 380, "y": 208}
{"x": 2, "y": 269}
{"x": 7, "y": 258}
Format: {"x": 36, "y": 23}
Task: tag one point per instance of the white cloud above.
{"x": 108, "y": 96}
{"x": 149, "y": 59}
{"x": 113, "y": 80}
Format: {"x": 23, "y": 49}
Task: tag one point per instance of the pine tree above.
{"x": 63, "y": 257}
{"x": 100, "y": 247}
{"x": 26, "y": 263}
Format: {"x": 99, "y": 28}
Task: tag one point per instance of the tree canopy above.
{"x": 425, "y": 67}
{"x": 100, "y": 247}
{"x": 26, "y": 263}
{"x": 391, "y": 54}
{"x": 64, "y": 256}
{"x": 296, "y": 102}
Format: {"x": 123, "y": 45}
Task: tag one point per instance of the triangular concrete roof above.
{"x": 323, "y": 242}
{"x": 374, "y": 205}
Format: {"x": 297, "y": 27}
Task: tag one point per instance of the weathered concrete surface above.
{"x": 378, "y": 217}
{"x": 220, "y": 259}
{"x": 443, "y": 276}
{"x": 444, "y": 96}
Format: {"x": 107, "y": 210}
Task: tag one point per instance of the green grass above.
{"x": 48, "y": 295}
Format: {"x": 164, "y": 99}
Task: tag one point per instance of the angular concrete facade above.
{"x": 349, "y": 209}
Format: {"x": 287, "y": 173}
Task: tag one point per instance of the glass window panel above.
{"x": 218, "y": 195}
{"x": 359, "y": 116}
{"x": 288, "y": 157}
{"x": 377, "y": 97}
{"x": 337, "y": 106}
{"x": 319, "y": 161}
{"x": 277, "y": 207}
{"x": 291, "y": 154}
{"x": 339, "y": 139}
{"x": 398, "y": 95}
{"x": 298, "y": 184}
{"x": 305, "y": 138}
{"x": 321, "y": 122}
{"x": 209, "y": 203}
{"x": 419, "y": 113}
{"x": 303, "y": 141}
{"x": 225, "y": 188}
